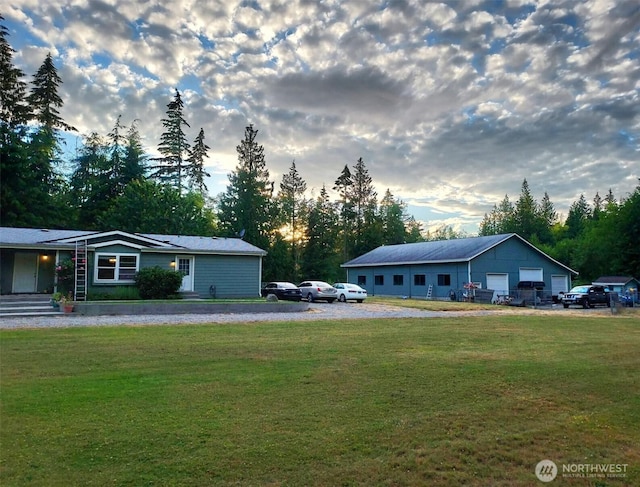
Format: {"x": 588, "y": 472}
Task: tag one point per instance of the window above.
{"x": 116, "y": 267}
{"x": 362, "y": 280}
{"x": 398, "y": 279}
{"x": 419, "y": 280}
{"x": 379, "y": 280}
{"x": 444, "y": 279}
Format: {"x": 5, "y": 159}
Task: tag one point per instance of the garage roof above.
{"x": 440, "y": 251}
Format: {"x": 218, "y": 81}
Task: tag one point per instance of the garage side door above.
{"x": 498, "y": 282}
{"x": 559, "y": 284}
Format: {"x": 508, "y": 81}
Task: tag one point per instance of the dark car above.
{"x": 282, "y": 290}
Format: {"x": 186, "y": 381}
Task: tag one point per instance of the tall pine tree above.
{"x": 173, "y": 146}
{"x": 245, "y": 208}
{"x": 321, "y": 258}
{"x": 292, "y": 204}
{"x": 195, "y": 165}
{"x": 13, "y": 90}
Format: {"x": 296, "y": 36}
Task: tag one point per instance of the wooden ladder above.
{"x": 80, "y": 293}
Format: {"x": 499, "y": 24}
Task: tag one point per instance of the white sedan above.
{"x": 348, "y": 291}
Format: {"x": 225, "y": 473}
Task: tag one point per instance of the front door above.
{"x": 25, "y": 273}
{"x": 185, "y": 265}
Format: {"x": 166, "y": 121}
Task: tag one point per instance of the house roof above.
{"x": 440, "y": 251}
{"x": 614, "y": 280}
{"x": 61, "y": 239}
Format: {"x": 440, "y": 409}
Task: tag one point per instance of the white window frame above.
{"x": 117, "y": 256}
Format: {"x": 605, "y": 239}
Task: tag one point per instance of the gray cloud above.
{"x": 450, "y": 104}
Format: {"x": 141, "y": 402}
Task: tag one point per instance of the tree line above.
{"x": 596, "y": 239}
{"x": 111, "y": 183}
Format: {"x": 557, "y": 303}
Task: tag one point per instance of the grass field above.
{"x": 385, "y": 402}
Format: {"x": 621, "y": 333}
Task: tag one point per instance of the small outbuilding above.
{"x": 442, "y": 268}
{"x": 31, "y": 261}
{"x": 623, "y": 285}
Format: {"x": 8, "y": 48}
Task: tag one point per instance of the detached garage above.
{"x": 436, "y": 269}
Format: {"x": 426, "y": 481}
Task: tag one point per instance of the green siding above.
{"x": 507, "y": 257}
{"x": 456, "y": 271}
{"x": 117, "y": 249}
{"x": 233, "y": 276}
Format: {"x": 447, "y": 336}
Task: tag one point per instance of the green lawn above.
{"x": 386, "y": 402}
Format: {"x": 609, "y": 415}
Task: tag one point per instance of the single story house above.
{"x": 620, "y": 284}
{"x": 436, "y": 269}
{"x": 102, "y": 261}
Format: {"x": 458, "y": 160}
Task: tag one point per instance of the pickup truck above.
{"x": 587, "y": 296}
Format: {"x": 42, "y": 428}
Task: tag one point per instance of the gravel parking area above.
{"x": 317, "y": 311}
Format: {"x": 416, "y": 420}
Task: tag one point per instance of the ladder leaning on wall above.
{"x": 430, "y": 291}
{"x": 80, "y": 293}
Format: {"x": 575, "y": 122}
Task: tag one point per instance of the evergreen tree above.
{"x": 525, "y": 213}
{"x": 92, "y": 182}
{"x": 444, "y": 232}
{"x": 579, "y": 213}
{"x": 117, "y": 157}
{"x": 371, "y": 233}
{"x": 500, "y": 220}
{"x": 28, "y": 154}
{"x": 364, "y": 204}
{"x": 597, "y": 207}
{"x": 292, "y": 205}
{"x": 548, "y": 218}
{"x": 321, "y": 259}
{"x": 149, "y": 207}
{"x": 13, "y": 107}
{"x": 628, "y": 234}
{"x": 414, "y": 231}
{"x": 245, "y": 208}
{"x": 489, "y": 224}
{"x": 610, "y": 200}
{"x": 393, "y": 215}
{"x": 134, "y": 167}
{"x": 44, "y": 99}
{"x": 173, "y": 146}
{"x": 343, "y": 186}
{"x": 195, "y": 164}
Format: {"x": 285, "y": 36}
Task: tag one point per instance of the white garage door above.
{"x": 498, "y": 282}
{"x": 531, "y": 274}
{"x": 559, "y": 284}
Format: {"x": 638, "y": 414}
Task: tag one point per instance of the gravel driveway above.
{"x": 317, "y": 311}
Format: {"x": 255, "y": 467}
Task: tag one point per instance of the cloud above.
{"x": 450, "y": 104}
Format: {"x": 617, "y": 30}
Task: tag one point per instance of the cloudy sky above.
{"x": 451, "y": 104}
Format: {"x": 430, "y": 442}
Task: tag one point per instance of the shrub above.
{"x": 157, "y": 283}
{"x": 120, "y": 293}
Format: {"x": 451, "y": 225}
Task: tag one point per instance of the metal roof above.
{"x": 440, "y": 251}
{"x": 59, "y": 239}
{"x": 456, "y": 250}
{"x": 614, "y": 280}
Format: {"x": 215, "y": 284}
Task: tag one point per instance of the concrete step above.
{"x": 27, "y": 314}
{"x": 23, "y": 305}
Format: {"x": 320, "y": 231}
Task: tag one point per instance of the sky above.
{"x": 451, "y": 104}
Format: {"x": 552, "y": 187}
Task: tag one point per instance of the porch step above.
{"x": 16, "y": 305}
